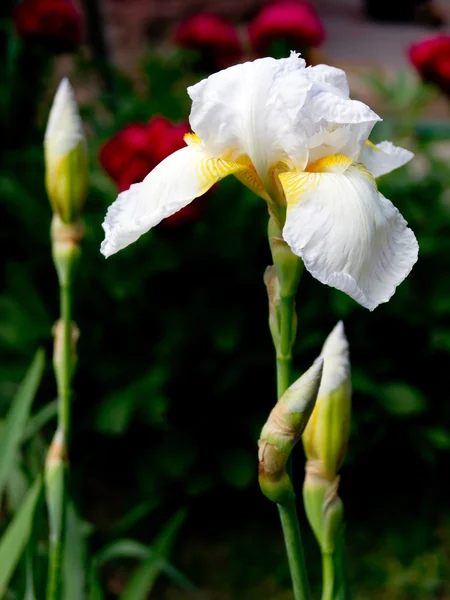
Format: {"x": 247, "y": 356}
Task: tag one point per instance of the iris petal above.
{"x": 349, "y": 236}
{"x": 172, "y": 185}
{"x": 384, "y": 157}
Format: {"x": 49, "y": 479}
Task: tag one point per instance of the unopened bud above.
{"x": 326, "y": 435}
{"x": 289, "y": 267}
{"x": 66, "y": 160}
{"x": 282, "y": 431}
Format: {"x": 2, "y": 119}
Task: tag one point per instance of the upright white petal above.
{"x": 172, "y": 185}
{"x": 64, "y": 127}
{"x": 253, "y": 109}
{"x": 384, "y": 157}
{"x": 349, "y": 236}
{"x": 336, "y": 125}
{"x": 330, "y": 78}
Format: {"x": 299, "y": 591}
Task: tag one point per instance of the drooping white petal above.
{"x": 253, "y": 109}
{"x": 172, "y": 185}
{"x": 64, "y": 127}
{"x": 384, "y": 157}
{"x": 336, "y": 358}
{"x": 349, "y": 236}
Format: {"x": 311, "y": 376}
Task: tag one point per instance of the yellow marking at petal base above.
{"x": 250, "y": 178}
{"x": 297, "y": 183}
{"x": 372, "y": 146}
{"x": 192, "y": 139}
{"x": 336, "y": 163}
{"x": 212, "y": 170}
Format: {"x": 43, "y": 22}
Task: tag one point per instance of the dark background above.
{"x": 175, "y": 374}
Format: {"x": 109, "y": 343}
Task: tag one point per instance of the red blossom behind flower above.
{"x": 56, "y": 23}
{"x": 431, "y": 58}
{"x": 214, "y": 37}
{"x": 136, "y": 149}
{"x": 292, "y": 20}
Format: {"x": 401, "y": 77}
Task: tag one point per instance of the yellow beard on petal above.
{"x": 336, "y": 163}
{"x": 192, "y": 139}
{"x": 297, "y": 183}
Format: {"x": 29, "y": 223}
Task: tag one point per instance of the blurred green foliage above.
{"x": 175, "y": 373}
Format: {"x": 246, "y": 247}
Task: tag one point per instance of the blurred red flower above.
{"x": 136, "y": 149}
{"x": 214, "y": 37}
{"x": 57, "y": 23}
{"x": 431, "y": 58}
{"x": 292, "y": 20}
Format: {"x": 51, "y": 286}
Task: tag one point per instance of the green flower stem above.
{"x": 294, "y": 549}
{"x": 327, "y": 576}
{"x": 67, "y": 359}
{"x": 287, "y": 510}
{"x": 56, "y": 478}
{"x": 342, "y": 585}
{"x": 284, "y": 350}
{"x": 65, "y": 241}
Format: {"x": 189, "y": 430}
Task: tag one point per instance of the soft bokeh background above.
{"x": 175, "y": 373}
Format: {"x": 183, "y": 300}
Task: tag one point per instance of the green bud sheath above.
{"x": 55, "y": 466}
{"x": 282, "y": 431}
{"x": 333, "y": 520}
{"x": 66, "y": 181}
{"x": 289, "y": 267}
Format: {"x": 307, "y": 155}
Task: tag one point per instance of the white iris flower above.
{"x": 294, "y": 137}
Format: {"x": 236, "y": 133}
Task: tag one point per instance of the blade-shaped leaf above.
{"x": 30, "y": 593}
{"x": 74, "y": 557}
{"x": 41, "y": 418}
{"x": 17, "y": 417}
{"x": 16, "y": 536}
{"x": 128, "y": 548}
{"x": 143, "y": 579}
{"x": 95, "y": 589}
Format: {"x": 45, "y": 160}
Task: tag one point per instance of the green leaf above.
{"x": 74, "y": 585}
{"x": 128, "y": 548}
{"x": 125, "y": 548}
{"x": 402, "y": 400}
{"x": 143, "y": 579}
{"x": 30, "y": 593}
{"x": 17, "y": 417}
{"x": 16, "y": 536}
{"x": 439, "y": 437}
{"x": 95, "y": 589}
{"x": 133, "y": 516}
{"x": 41, "y": 418}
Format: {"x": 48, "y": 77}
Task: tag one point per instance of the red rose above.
{"x": 214, "y": 37}
{"x": 166, "y": 137}
{"x": 127, "y": 150}
{"x": 130, "y": 155}
{"x": 292, "y": 20}
{"x": 431, "y": 58}
{"x": 56, "y": 23}
{"x": 137, "y": 148}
